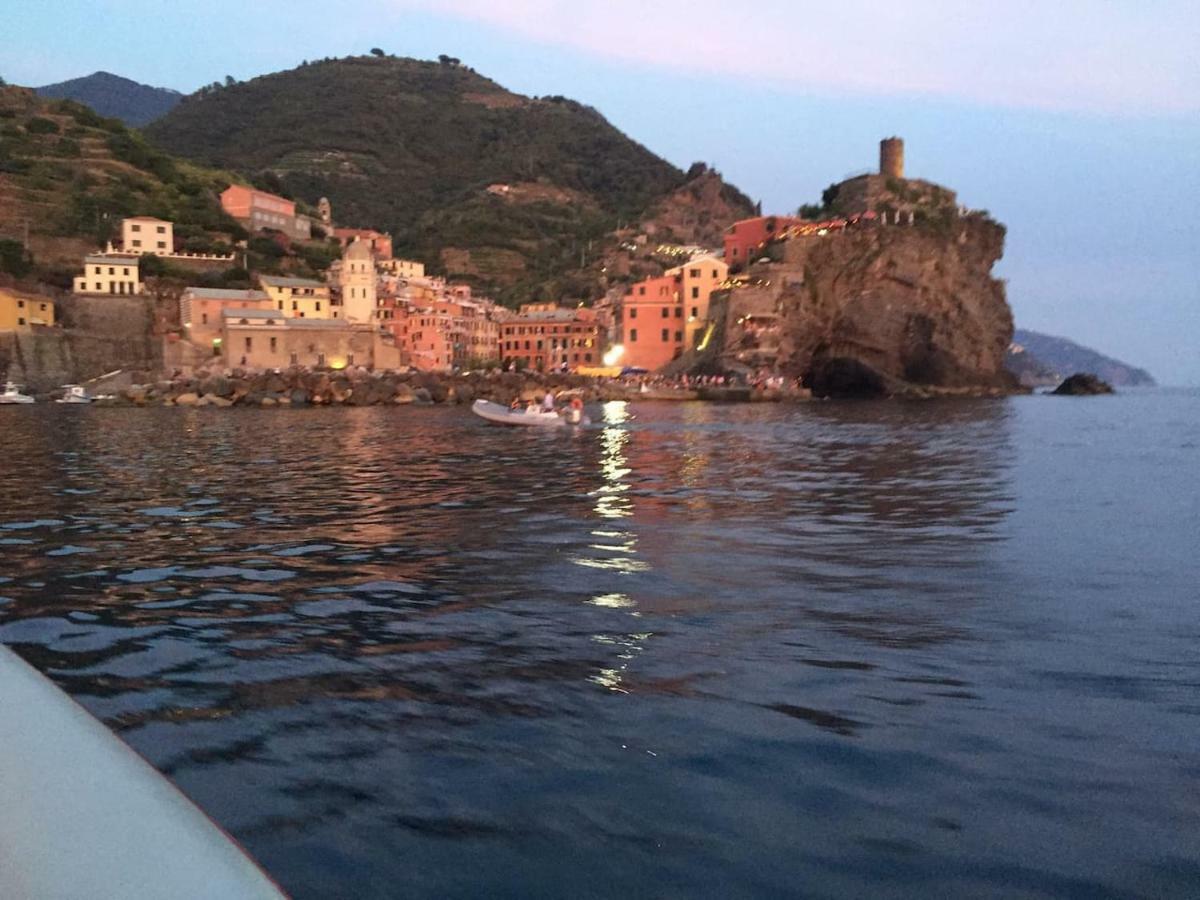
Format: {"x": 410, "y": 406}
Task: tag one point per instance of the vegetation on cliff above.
{"x": 412, "y": 147}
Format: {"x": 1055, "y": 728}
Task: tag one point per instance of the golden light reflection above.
{"x": 612, "y": 601}
{"x": 630, "y": 645}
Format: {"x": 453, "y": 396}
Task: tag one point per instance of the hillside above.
{"x": 412, "y": 147}
{"x": 67, "y": 177}
{"x": 1043, "y": 359}
{"x": 115, "y": 97}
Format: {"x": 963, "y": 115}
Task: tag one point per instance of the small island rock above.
{"x": 1082, "y": 384}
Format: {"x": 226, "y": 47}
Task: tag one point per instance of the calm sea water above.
{"x": 935, "y": 649}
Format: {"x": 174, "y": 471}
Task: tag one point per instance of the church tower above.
{"x": 358, "y": 282}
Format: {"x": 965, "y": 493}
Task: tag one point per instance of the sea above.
{"x": 839, "y": 649}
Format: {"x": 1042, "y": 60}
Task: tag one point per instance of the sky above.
{"x": 1074, "y": 122}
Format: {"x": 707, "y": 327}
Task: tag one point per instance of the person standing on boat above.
{"x": 548, "y": 402}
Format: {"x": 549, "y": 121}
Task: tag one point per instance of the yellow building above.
{"x": 403, "y": 268}
{"x": 109, "y": 274}
{"x": 697, "y": 279}
{"x": 145, "y": 234}
{"x": 20, "y": 312}
{"x": 300, "y": 298}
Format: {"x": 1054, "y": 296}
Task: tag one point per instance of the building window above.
{"x": 136, "y": 227}
{"x": 694, "y": 273}
{"x": 137, "y": 243}
{"x": 20, "y": 304}
{"x": 633, "y": 335}
{"x": 633, "y": 313}
{"x": 295, "y": 306}
{"x": 272, "y": 345}
{"x": 318, "y": 306}
{"x": 642, "y": 290}
{"x": 320, "y": 359}
{"x": 695, "y": 293}
{"x": 679, "y": 336}
{"x": 249, "y": 342}
{"x": 20, "y": 320}
{"x": 295, "y": 358}
{"x": 161, "y": 245}
{"x": 666, "y": 313}
{"x": 695, "y": 312}
{"x": 112, "y": 271}
{"x": 679, "y": 312}
{"x": 666, "y": 334}
{"x": 203, "y": 318}
{"x": 162, "y": 229}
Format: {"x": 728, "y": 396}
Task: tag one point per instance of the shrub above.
{"x": 38, "y": 125}
{"x": 14, "y": 259}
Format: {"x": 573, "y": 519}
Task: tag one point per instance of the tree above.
{"x": 375, "y": 51}
{"x": 14, "y": 259}
{"x": 230, "y": 81}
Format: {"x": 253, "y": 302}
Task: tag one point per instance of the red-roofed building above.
{"x": 744, "y": 239}
{"x": 380, "y": 243}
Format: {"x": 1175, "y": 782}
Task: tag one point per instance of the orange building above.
{"x": 256, "y": 210}
{"x": 652, "y": 323}
{"x": 380, "y": 243}
{"x": 744, "y": 239}
{"x": 546, "y": 337}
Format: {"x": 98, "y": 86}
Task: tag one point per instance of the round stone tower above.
{"x": 325, "y": 211}
{"x": 891, "y": 157}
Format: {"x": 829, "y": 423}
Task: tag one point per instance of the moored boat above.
{"x": 73, "y": 393}
{"x": 12, "y": 394}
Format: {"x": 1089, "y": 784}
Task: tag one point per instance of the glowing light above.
{"x": 337, "y": 363}
{"x": 613, "y": 354}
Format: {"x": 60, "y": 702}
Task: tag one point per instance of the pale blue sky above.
{"x": 1078, "y": 127}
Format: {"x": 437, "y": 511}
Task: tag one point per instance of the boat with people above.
{"x": 531, "y": 415}
{"x": 12, "y": 394}
{"x": 85, "y": 816}
{"x": 74, "y": 393}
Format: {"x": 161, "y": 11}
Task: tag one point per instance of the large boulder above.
{"x": 403, "y": 394}
{"x": 187, "y": 399}
{"x": 1083, "y": 384}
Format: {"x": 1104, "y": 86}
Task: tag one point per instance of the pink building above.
{"x": 744, "y": 239}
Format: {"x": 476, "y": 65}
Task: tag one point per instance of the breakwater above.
{"x": 304, "y": 387}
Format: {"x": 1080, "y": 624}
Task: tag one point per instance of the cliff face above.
{"x": 879, "y": 309}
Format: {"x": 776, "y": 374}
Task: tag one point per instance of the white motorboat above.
{"x": 73, "y": 393}
{"x": 12, "y": 394}
{"x": 84, "y": 816}
{"x": 537, "y": 417}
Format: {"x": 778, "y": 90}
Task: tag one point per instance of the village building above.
{"x": 402, "y": 268}
{"x": 109, "y": 273}
{"x": 301, "y": 298}
{"x": 201, "y": 309}
{"x": 145, "y": 234}
{"x": 21, "y": 312}
{"x": 380, "y": 243}
{"x": 257, "y": 210}
{"x": 652, "y": 323}
{"x": 546, "y": 337}
{"x": 696, "y": 280}
{"x": 745, "y": 240}
{"x": 262, "y": 339}
{"x": 356, "y": 279}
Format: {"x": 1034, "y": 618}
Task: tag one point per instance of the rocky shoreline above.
{"x": 303, "y": 387}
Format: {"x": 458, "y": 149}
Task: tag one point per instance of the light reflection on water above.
{"x": 867, "y": 649}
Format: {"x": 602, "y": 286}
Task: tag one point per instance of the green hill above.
{"x": 412, "y": 147}
{"x": 68, "y": 176}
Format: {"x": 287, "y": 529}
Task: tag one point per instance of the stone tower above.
{"x": 891, "y": 157}
{"x": 358, "y": 282}
{"x": 325, "y": 211}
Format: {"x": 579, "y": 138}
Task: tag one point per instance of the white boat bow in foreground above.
{"x": 82, "y": 815}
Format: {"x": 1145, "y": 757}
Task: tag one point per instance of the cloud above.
{"x": 1119, "y": 56}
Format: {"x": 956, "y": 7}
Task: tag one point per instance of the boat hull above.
{"x": 502, "y": 415}
{"x": 82, "y": 815}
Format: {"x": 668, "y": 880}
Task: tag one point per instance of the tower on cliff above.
{"x": 325, "y": 211}
{"x": 891, "y": 157}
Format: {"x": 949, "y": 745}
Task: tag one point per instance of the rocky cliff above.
{"x": 878, "y": 309}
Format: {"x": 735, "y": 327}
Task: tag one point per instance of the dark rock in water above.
{"x": 1083, "y": 384}
{"x": 299, "y": 397}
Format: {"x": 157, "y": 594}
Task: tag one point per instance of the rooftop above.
{"x": 283, "y": 281}
{"x": 105, "y": 259}
{"x": 240, "y": 313}
{"x": 202, "y": 293}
